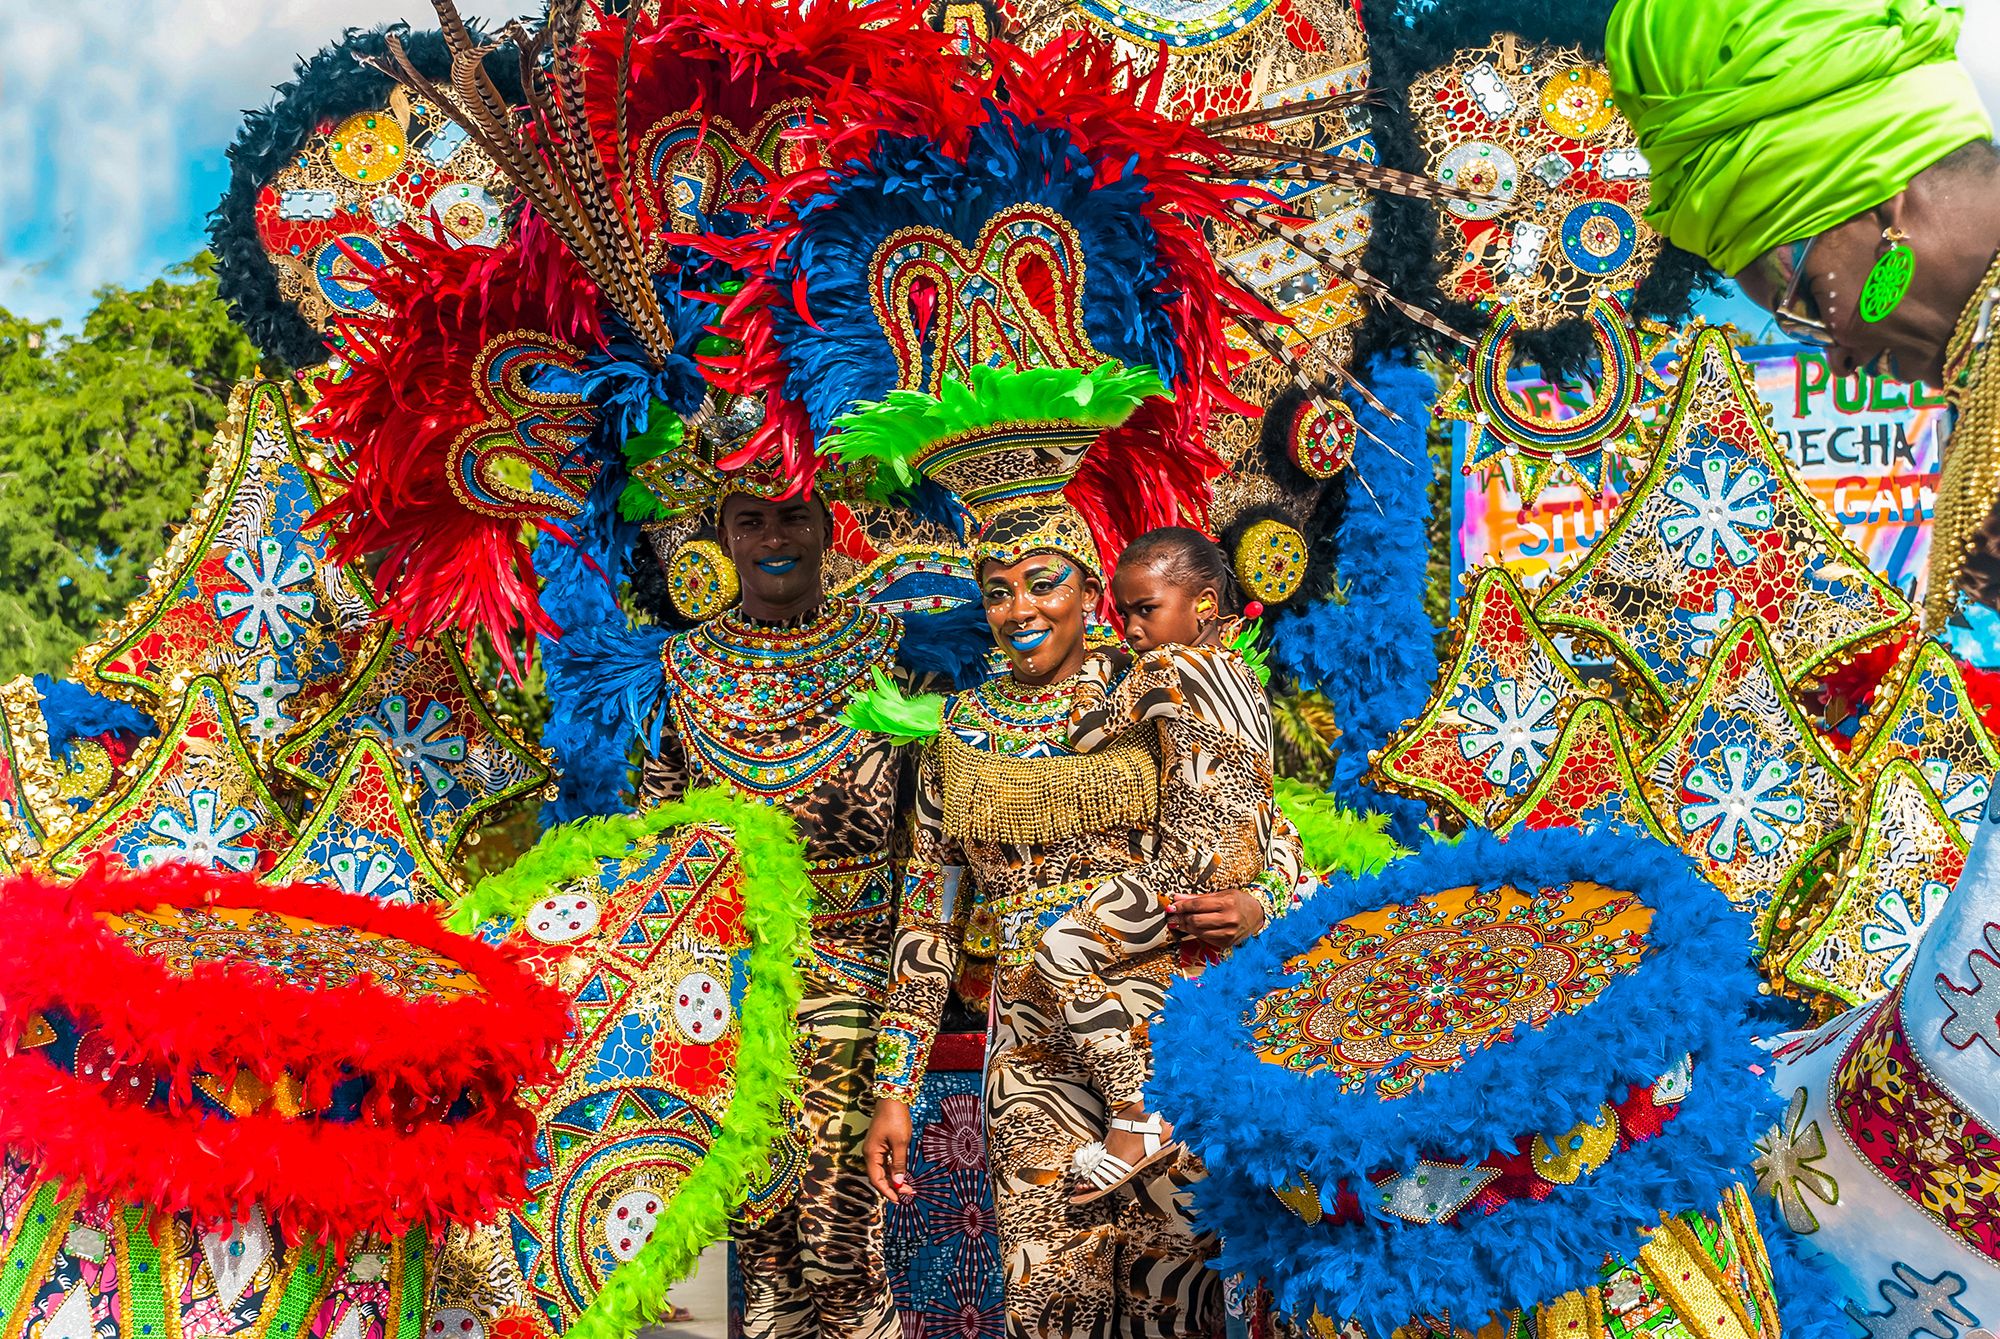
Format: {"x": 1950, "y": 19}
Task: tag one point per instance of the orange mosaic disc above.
{"x": 1388, "y": 996}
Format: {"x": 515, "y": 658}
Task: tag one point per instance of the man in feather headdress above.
{"x": 754, "y": 700}
{"x": 1835, "y": 157}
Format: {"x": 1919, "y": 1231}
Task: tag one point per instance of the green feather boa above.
{"x": 777, "y": 900}
{"x": 886, "y": 710}
{"x": 895, "y": 430}
{"x": 1337, "y": 840}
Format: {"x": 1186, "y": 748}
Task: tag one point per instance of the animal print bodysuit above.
{"x": 1216, "y": 830}
{"x": 758, "y": 707}
{"x": 1011, "y": 821}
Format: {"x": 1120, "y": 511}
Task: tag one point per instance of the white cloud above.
{"x": 113, "y": 122}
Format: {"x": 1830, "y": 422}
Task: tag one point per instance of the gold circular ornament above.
{"x": 1271, "y": 561}
{"x": 701, "y": 581}
{"x": 368, "y": 147}
{"x": 1577, "y": 102}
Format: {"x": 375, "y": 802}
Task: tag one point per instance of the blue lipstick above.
{"x": 777, "y": 567}
{"x": 1028, "y": 641}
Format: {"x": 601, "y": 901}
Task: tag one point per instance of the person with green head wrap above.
{"x": 1835, "y": 157}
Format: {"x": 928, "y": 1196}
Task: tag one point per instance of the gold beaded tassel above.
{"x": 1969, "y": 485}
{"x": 1036, "y": 801}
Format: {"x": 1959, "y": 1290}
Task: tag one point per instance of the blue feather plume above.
{"x": 1373, "y": 657}
{"x": 595, "y": 672}
{"x": 952, "y": 643}
{"x": 73, "y": 712}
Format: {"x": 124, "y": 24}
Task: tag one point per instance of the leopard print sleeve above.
{"x": 1149, "y": 692}
{"x": 664, "y": 773}
{"x": 931, "y": 913}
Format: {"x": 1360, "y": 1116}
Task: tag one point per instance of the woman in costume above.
{"x": 1011, "y": 819}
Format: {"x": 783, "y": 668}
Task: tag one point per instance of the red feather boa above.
{"x": 228, "y": 1016}
{"x": 316, "y": 1181}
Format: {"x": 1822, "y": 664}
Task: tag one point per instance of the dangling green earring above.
{"x": 1889, "y": 282}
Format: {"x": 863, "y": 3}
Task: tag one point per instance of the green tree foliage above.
{"x": 104, "y": 440}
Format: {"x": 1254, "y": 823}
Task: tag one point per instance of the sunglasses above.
{"x": 1796, "y": 314}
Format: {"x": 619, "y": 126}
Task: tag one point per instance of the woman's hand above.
{"x": 1219, "y": 921}
{"x": 887, "y": 1149}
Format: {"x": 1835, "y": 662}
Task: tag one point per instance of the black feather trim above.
{"x": 1409, "y": 38}
{"x": 328, "y": 87}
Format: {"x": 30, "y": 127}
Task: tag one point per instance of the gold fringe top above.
{"x": 991, "y": 797}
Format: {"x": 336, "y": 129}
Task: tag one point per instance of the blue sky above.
{"x": 114, "y": 115}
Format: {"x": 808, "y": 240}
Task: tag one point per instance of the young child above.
{"x": 1219, "y": 831}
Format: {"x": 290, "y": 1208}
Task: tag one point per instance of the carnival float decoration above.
{"x": 547, "y": 289}
{"x": 1555, "y": 1146}
{"x": 246, "y": 1108}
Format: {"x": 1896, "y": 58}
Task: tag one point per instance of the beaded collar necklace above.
{"x": 758, "y": 703}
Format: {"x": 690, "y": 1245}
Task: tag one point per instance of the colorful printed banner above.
{"x": 1864, "y": 447}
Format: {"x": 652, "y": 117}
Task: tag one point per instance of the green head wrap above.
{"x": 1770, "y": 121}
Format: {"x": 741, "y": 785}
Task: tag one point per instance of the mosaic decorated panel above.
{"x": 420, "y": 703}
{"x": 1232, "y": 56}
{"x": 197, "y": 796}
{"x": 1533, "y": 129}
{"x": 363, "y": 837}
{"x": 1388, "y": 996}
{"x": 1743, "y": 783}
{"x": 1898, "y": 872}
{"x": 96, "y": 1270}
{"x": 1486, "y": 735}
{"x": 1720, "y": 530}
{"x": 334, "y": 208}
{"x": 1535, "y": 449}
{"x": 296, "y": 950}
{"x": 651, "y": 951}
{"x": 31, "y": 791}
{"x": 1926, "y": 715}
{"x": 245, "y": 592}
{"x": 1590, "y": 782}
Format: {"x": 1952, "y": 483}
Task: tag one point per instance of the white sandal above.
{"x": 1103, "y": 1173}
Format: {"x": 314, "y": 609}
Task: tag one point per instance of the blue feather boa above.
{"x": 1689, "y": 995}
{"x": 839, "y": 356}
{"x": 73, "y": 712}
{"x": 1373, "y": 656}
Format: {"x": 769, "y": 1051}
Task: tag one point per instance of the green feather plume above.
{"x": 664, "y": 434}
{"x": 1336, "y": 840}
{"x": 886, "y": 710}
{"x": 777, "y": 899}
{"x": 898, "y": 428}
{"x": 1258, "y": 658}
